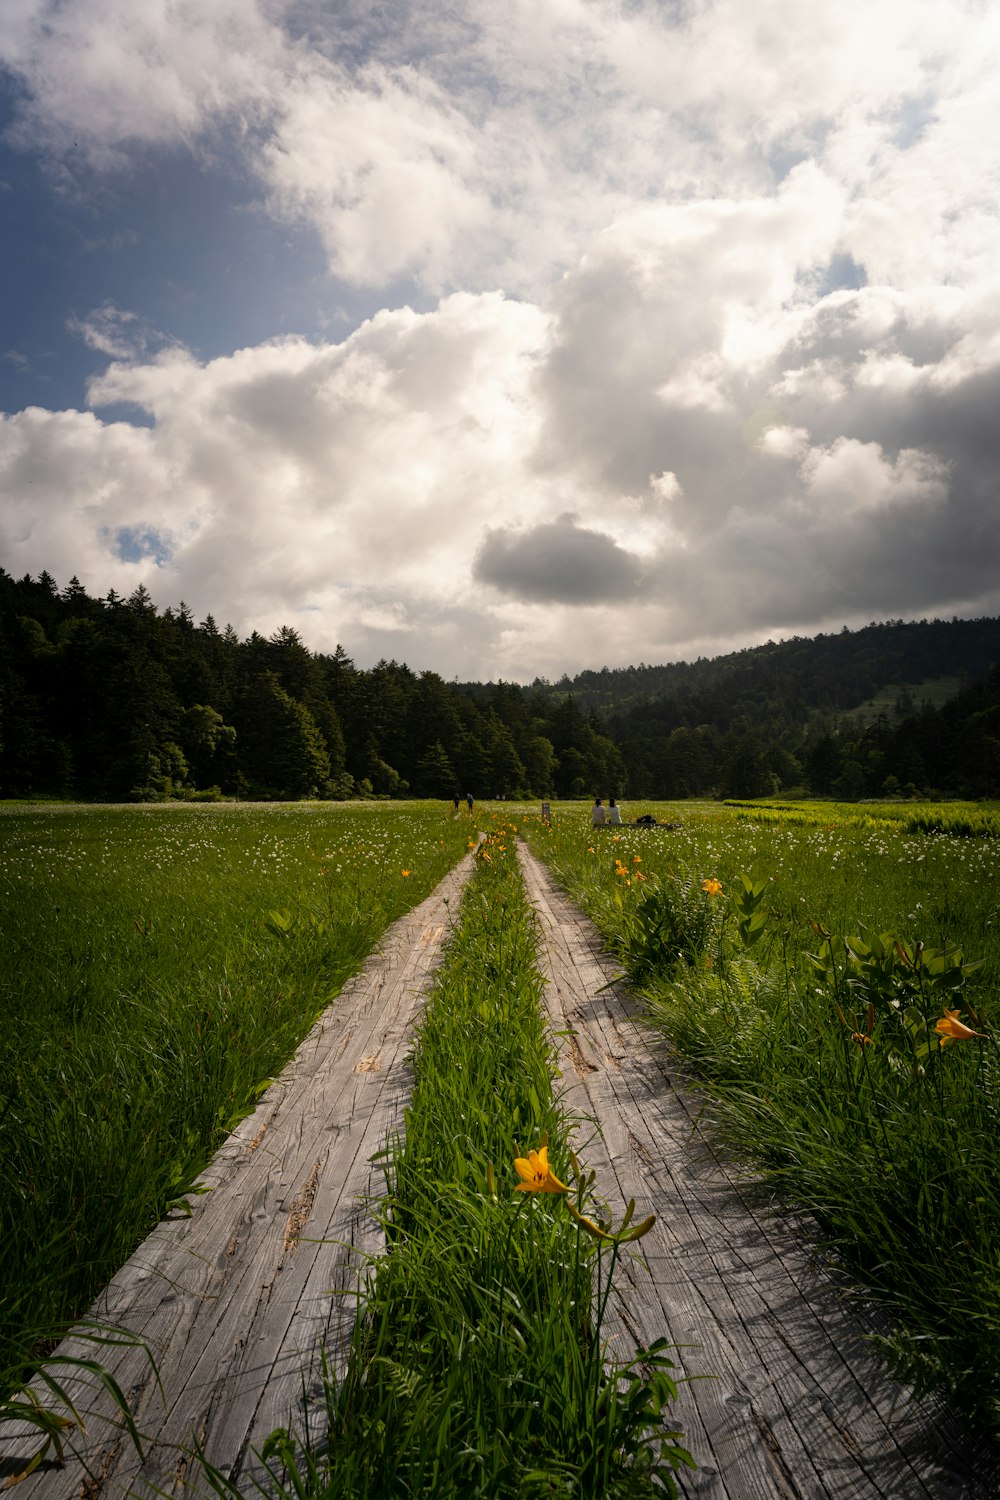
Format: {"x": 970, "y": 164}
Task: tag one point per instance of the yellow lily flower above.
{"x": 536, "y": 1174}
{"x": 952, "y": 1029}
{"x": 712, "y": 887}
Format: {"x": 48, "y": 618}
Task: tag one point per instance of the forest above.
{"x": 111, "y": 699}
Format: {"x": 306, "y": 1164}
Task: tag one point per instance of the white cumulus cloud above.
{"x": 709, "y": 344}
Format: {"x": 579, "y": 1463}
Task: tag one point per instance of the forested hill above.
{"x": 112, "y": 699}
{"x": 800, "y": 678}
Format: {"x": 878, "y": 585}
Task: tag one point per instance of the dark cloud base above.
{"x": 558, "y": 563}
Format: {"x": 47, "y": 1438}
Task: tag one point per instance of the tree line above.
{"x": 111, "y": 699}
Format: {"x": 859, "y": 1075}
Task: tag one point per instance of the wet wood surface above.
{"x": 786, "y": 1400}
{"x": 234, "y": 1302}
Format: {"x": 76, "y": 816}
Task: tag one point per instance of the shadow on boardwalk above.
{"x": 234, "y": 1302}
{"x": 786, "y": 1399}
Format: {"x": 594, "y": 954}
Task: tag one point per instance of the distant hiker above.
{"x": 456, "y": 799}
{"x": 614, "y": 813}
{"x": 599, "y": 814}
{"x": 468, "y": 800}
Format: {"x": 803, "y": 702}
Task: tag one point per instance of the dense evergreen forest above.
{"x": 111, "y": 699}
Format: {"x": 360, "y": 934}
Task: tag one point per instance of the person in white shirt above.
{"x": 599, "y": 814}
{"x": 614, "y": 813}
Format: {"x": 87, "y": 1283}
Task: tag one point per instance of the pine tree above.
{"x": 76, "y": 599}
{"x": 434, "y": 775}
{"x": 281, "y": 752}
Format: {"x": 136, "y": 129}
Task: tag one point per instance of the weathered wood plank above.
{"x": 234, "y": 1302}
{"x": 785, "y": 1398}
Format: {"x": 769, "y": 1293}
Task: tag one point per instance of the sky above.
{"x": 509, "y": 337}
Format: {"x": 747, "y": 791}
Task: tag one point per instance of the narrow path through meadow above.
{"x": 795, "y": 1405}
{"x": 235, "y": 1301}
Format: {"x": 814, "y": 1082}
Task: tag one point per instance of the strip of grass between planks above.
{"x": 477, "y": 1367}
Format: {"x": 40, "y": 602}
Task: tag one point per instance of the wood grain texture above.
{"x": 235, "y": 1302}
{"x": 785, "y": 1399}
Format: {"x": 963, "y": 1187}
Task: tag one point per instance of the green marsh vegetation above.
{"x": 831, "y": 973}
{"x": 477, "y": 1366}
{"x": 159, "y": 965}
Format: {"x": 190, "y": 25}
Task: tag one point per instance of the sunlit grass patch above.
{"x": 960, "y": 819}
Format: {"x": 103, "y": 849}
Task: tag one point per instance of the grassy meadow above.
{"x": 158, "y": 966}
{"x": 831, "y": 973}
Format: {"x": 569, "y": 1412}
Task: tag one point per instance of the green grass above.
{"x": 477, "y": 1368}
{"x": 959, "y": 819}
{"x": 934, "y": 692}
{"x": 827, "y": 1073}
{"x": 157, "y": 967}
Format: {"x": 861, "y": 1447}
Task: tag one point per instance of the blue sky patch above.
{"x": 133, "y": 543}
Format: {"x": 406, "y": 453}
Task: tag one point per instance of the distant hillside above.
{"x": 828, "y": 675}
{"x": 888, "y": 709}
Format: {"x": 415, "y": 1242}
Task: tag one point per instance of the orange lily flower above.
{"x": 536, "y": 1174}
{"x": 951, "y": 1029}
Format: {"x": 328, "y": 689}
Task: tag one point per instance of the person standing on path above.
{"x": 599, "y": 814}
{"x": 614, "y": 814}
{"x": 468, "y": 800}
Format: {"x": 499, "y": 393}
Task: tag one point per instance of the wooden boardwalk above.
{"x": 796, "y": 1406}
{"x": 235, "y": 1301}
